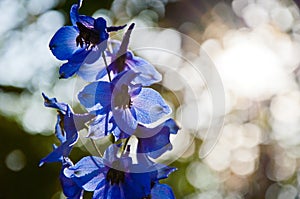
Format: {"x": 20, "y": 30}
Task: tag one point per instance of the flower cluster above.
{"x": 120, "y": 104}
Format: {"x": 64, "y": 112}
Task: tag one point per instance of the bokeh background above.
{"x": 253, "y": 44}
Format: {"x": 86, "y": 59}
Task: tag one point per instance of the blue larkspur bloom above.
{"x": 66, "y": 129}
{"x": 121, "y": 59}
{"x": 83, "y": 42}
{"x": 112, "y": 177}
{"x": 121, "y": 105}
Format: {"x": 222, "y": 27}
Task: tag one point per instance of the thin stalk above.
{"x": 125, "y": 145}
{"x": 106, "y": 66}
{"x": 95, "y": 146}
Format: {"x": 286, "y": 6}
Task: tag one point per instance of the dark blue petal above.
{"x": 96, "y": 96}
{"x": 135, "y": 90}
{"x": 115, "y": 28}
{"x": 139, "y": 182}
{"x": 149, "y": 74}
{"x": 75, "y": 17}
{"x": 162, "y": 191}
{"x": 149, "y": 106}
{"x": 57, "y": 154}
{"x": 162, "y": 172}
{"x": 70, "y": 188}
{"x": 156, "y": 141}
{"x": 68, "y": 69}
{"x": 87, "y": 173}
{"x": 100, "y": 24}
{"x": 74, "y": 14}
{"x": 59, "y": 132}
{"x": 53, "y": 103}
{"x": 63, "y": 43}
{"x": 74, "y": 63}
{"x": 114, "y": 191}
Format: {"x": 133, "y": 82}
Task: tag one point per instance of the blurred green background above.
{"x": 254, "y": 45}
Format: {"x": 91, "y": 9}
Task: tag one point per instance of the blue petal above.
{"x": 124, "y": 78}
{"x": 100, "y": 24}
{"x": 74, "y": 14}
{"x": 125, "y": 120}
{"x": 162, "y": 172}
{"x": 111, "y": 158}
{"x": 63, "y": 43}
{"x": 68, "y": 69}
{"x": 100, "y": 127}
{"x": 149, "y": 106}
{"x": 87, "y": 173}
{"x": 139, "y": 182}
{"x": 90, "y": 72}
{"x": 115, "y": 28}
{"x": 156, "y": 141}
{"x": 135, "y": 90}
{"x": 125, "y": 42}
{"x": 162, "y": 191}
{"x": 59, "y": 132}
{"x": 57, "y": 154}
{"x": 101, "y": 74}
{"x": 53, "y": 103}
{"x": 114, "y": 191}
{"x": 102, "y": 190}
{"x": 72, "y": 66}
{"x": 96, "y": 96}
{"x": 149, "y": 74}
{"x": 70, "y": 188}
{"x": 110, "y": 154}
{"x": 75, "y": 17}
{"x": 117, "y": 132}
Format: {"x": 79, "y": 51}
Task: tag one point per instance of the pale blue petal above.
{"x": 88, "y": 172}
{"x": 149, "y": 75}
{"x": 149, "y": 106}
{"x": 125, "y": 120}
{"x": 100, "y": 127}
{"x": 96, "y": 96}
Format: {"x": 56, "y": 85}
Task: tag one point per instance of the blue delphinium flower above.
{"x": 112, "y": 177}
{"x": 122, "y": 59}
{"x": 122, "y": 107}
{"x": 123, "y": 104}
{"x": 66, "y": 129}
{"x": 83, "y": 42}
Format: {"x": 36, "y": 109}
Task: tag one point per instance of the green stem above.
{"x": 95, "y": 146}
{"x": 106, "y": 66}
